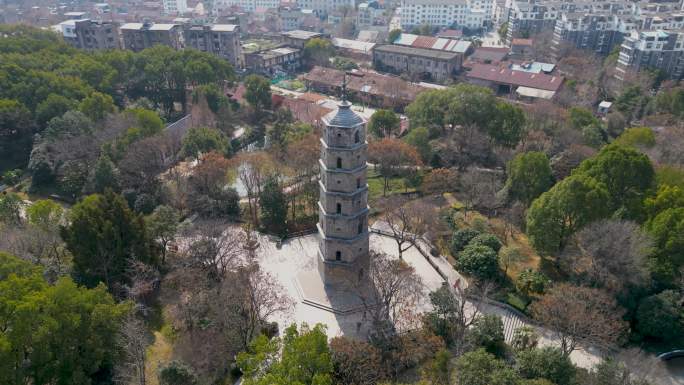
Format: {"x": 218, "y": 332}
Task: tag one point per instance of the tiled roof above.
{"x": 343, "y": 117}
{"x": 366, "y": 82}
{"x": 517, "y": 78}
{"x": 428, "y": 53}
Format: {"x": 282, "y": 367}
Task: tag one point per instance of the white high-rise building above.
{"x": 446, "y": 13}
{"x": 323, "y": 7}
{"x": 173, "y": 7}
{"x": 246, "y": 5}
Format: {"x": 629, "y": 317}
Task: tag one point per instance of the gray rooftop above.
{"x": 343, "y": 117}
{"x": 429, "y": 53}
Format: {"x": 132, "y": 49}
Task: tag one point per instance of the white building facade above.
{"x": 471, "y": 14}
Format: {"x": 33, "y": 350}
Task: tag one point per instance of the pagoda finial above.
{"x": 344, "y": 87}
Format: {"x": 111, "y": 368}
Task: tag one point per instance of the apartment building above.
{"x": 473, "y": 14}
{"x": 245, "y": 5}
{"x": 324, "y": 7}
{"x": 89, "y": 34}
{"x": 174, "y": 7}
{"x": 222, "y": 40}
{"x": 426, "y": 64}
{"x": 138, "y": 36}
{"x": 598, "y": 33}
{"x": 655, "y": 50}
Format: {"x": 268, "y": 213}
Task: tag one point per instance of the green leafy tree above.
{"x": 567, "y": 207}
{"x": 258, "y": 93}
{"x": 45, "y": 213}
{"x": 429, "y": 110}
{"x": 16, "y": 133}
{"x": 667, "y": 197}
{"x": 508, "y": 126}
{"x": 548, "y": 362}
{"x": 384, "y": 123}
{"x": 393, "y": 35}
{"x": 637, "y": 137}
{"x": 627, "y": 174}
{"x": 594, "y": 136}
{"x": 53, "y": 106}
{"x": 104, "y": 236}
{"x": 163, "y": 225}
{"x": 177, "y": 373}
{"x": 96, "y": 106}
{"x": 305, "y": 358}
{"x": 481, "y": 368}
{"x": 478, "y": 261}
{"x": 488, "y": 332}
{"x": 72, "y": 123}
{"x": 273, "y": 203}
{"x": 105, "y": 175}
{"x": 318, "y": 51}
{"x": 529, "y": 175}
{"x": 489, "y": 240}
{"x": 420, "y": 139}
{"x": 200, "y": 140}
{"x": 581, "y": 117}
{"x": 10, "y": 208}
{"x": 438, "y": 372}
{"x": 531, "y": 282}
{"x": 54, "y": 334}
{"x": 660, "y": 316}
{"x": 461, "y": 238}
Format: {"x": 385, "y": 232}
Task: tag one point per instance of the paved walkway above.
{"x": 299, "y": 255}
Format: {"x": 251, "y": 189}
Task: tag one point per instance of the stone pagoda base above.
{"x": 337, "y": 299}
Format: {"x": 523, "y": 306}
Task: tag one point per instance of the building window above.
{"x": 360, "y": 227}
{"x": 339, "y": 208}
{"x": 339, "y": 162}
{"x": 338, "y": 255}
{"x": 358, "y": 182}
{"x": 356, "y": 137}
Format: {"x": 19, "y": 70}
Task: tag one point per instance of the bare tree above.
{"x": 393, "y": 289}
{"x": 253, "y": 169}
{"x": 42, "y": 246}
{"x": 145, "y": 280}
{"x": 405, "y": 221}
{"x": 613, "y": 253}
{"x": 578, "y": 314}
{"x": 132, "y": 342}
{"x": 216, "y": 249}
{"x": 247, "y": 300}
{"x": 479, "y": 189}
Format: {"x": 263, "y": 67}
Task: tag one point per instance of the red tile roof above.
{"x": 504, "y": 75}
{"x": 424, "y": 42}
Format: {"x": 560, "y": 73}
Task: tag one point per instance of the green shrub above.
{"x": 478, "y": 261}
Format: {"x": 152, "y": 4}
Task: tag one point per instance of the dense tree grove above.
{"x": 41, "y": 78}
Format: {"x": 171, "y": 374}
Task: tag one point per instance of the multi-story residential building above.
{"x": 272, "y": 61}
{"x": 174, "y": 7}
{"x": 659, "y": 50}
{"x": 138, "y": 36}
{"x": 324, "y": 7}
{"x": 299, "y": 38}
{"x": 291, "y": 17}
{"x": 222, "y": 40}
{"x": 245, "y": 5}
{"x": 471, "y": 14}
{"x": 89, "y": 34}
{"x": 427, "y": 64}
{"x": 599, "y": 33}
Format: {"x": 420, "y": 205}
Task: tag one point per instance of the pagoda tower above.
{"x": 343, "y": 255}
